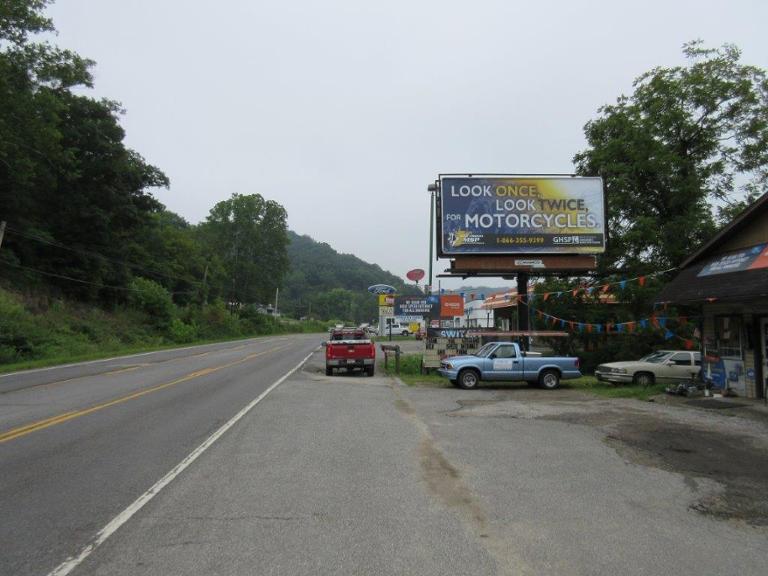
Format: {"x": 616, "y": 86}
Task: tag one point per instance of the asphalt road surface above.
{"x": 356, "y": 475}
{"x": 78, "y": 444}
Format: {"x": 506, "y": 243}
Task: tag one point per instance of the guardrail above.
{"x": 391, "y": 350}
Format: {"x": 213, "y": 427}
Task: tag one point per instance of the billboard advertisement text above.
{"x": 521, "y": 215}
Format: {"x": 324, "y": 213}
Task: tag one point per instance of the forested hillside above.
{"x": 325, "y": 284}
{"x": 91, "y": 261}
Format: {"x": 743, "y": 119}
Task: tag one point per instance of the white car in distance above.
{"x": 663, "y": 366}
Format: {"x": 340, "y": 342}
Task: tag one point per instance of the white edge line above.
{"x": 74, "y": 561}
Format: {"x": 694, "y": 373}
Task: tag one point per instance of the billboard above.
{"x": 433, "y": 306}
{"x": 416, "y": 305}
{"x": 521, "y": 215}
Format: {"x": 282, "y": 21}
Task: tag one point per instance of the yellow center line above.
{"x": 65, "y": 417}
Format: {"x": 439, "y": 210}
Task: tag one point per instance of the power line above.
{"x": 92, "y": 253}
{"x": 98, "y": 284}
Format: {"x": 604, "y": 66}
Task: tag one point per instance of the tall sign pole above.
{"x": 432, "y": 188}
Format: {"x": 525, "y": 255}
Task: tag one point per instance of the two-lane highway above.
{"x": 80, "y": 443}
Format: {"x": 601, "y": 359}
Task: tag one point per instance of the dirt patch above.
{"x": 445, "y": 482}
{"x": 732, "y": 460}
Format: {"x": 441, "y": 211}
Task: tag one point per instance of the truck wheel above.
{"x": 369, "y": 370}
{"x": 549, "y": 379}
{"x": 469, "y": 379}
{"x": 643, "y": 379}
{"x": 328, "y": 371}
{"x": 404, "y": 333}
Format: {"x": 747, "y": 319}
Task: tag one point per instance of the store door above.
{"x": 764, "y": 350}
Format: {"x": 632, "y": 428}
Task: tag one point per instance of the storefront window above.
{"x": 728, "y": 333}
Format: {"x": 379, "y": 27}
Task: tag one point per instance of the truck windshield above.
{"x": 485, "y": 350}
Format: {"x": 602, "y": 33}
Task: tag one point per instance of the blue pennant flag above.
{"x": 619, "y": 328}
{"x": 623, "y": 284}
{"x": 662, "y": 321}
{"x": 643, "y": 323}
{"x": 562, "y": 323}
{"x": 598, "y": 328}
{"x": 668, "y": 335}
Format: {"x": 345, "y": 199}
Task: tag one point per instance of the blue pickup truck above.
{"x": 505, "y": 361}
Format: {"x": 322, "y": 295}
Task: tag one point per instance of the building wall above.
{"x": 750, "y": 359}
{"x": 754, "y": 233}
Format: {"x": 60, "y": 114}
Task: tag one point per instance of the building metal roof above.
{"x": 695, "y": 285}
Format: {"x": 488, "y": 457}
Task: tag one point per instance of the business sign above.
{"x": 521, "y": 215}
{"x": 416, "y": 305}
{"x": 381, "y": 289}
{"x": 415, "y": 275}
{"x": 451, "y": 305}
{"x": 747, "y": 259}
{"x": 434, "y": 306}
{"x": 386, "y": 300}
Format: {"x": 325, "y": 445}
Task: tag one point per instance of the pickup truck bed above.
{"x": 349, "y": 349}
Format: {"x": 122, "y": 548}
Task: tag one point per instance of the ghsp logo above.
{"x": 464, "y": 237}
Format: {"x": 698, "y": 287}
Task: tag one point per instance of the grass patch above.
{"x": 608, "y": 390}
{"x": 410, "y": 372}
{"x": 43, "y": 331}
{"x": 109, "y": 353}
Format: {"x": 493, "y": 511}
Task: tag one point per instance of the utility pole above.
{"x": 205, "y": 287}
{"x": 2, "y": 232}
{"x": 277, "y": 295}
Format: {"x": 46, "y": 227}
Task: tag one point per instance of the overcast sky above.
{"x": 344, "y": 111}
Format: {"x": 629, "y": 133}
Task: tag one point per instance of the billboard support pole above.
{"x": 431, "y": 231}
{"x": 522, "y": 307}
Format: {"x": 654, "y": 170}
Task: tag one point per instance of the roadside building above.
{"x": 726, "y": 283}
{"x": 476, "y": 315}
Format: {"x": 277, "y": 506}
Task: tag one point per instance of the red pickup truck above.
{"x": 349, "y": 348}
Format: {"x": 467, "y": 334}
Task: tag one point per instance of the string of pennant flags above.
{"x": 601, "y": 288}
{"x": 598, "y": 287}
{"x": 630, "y": 327}
{"x": 609, "y": 328}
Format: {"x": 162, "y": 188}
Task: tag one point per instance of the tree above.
{"x": 249, "y": 234}
{"x": 67, "y": 181}
{"x": 688, "y": 136}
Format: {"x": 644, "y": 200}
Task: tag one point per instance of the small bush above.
{"x": 152, "y": 299}
{"x": 181, "y": 332}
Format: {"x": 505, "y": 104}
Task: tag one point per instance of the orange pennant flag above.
{"x": 641, "y": 280}
{"x": 606, "y": 287}
{"x": 546, "y": 295}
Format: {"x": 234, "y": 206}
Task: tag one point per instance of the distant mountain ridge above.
{"x": 316, "y": 269}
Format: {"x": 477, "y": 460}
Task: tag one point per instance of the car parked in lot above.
{"x": 505, "y": 361}
{"x": 663, "y": 366}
